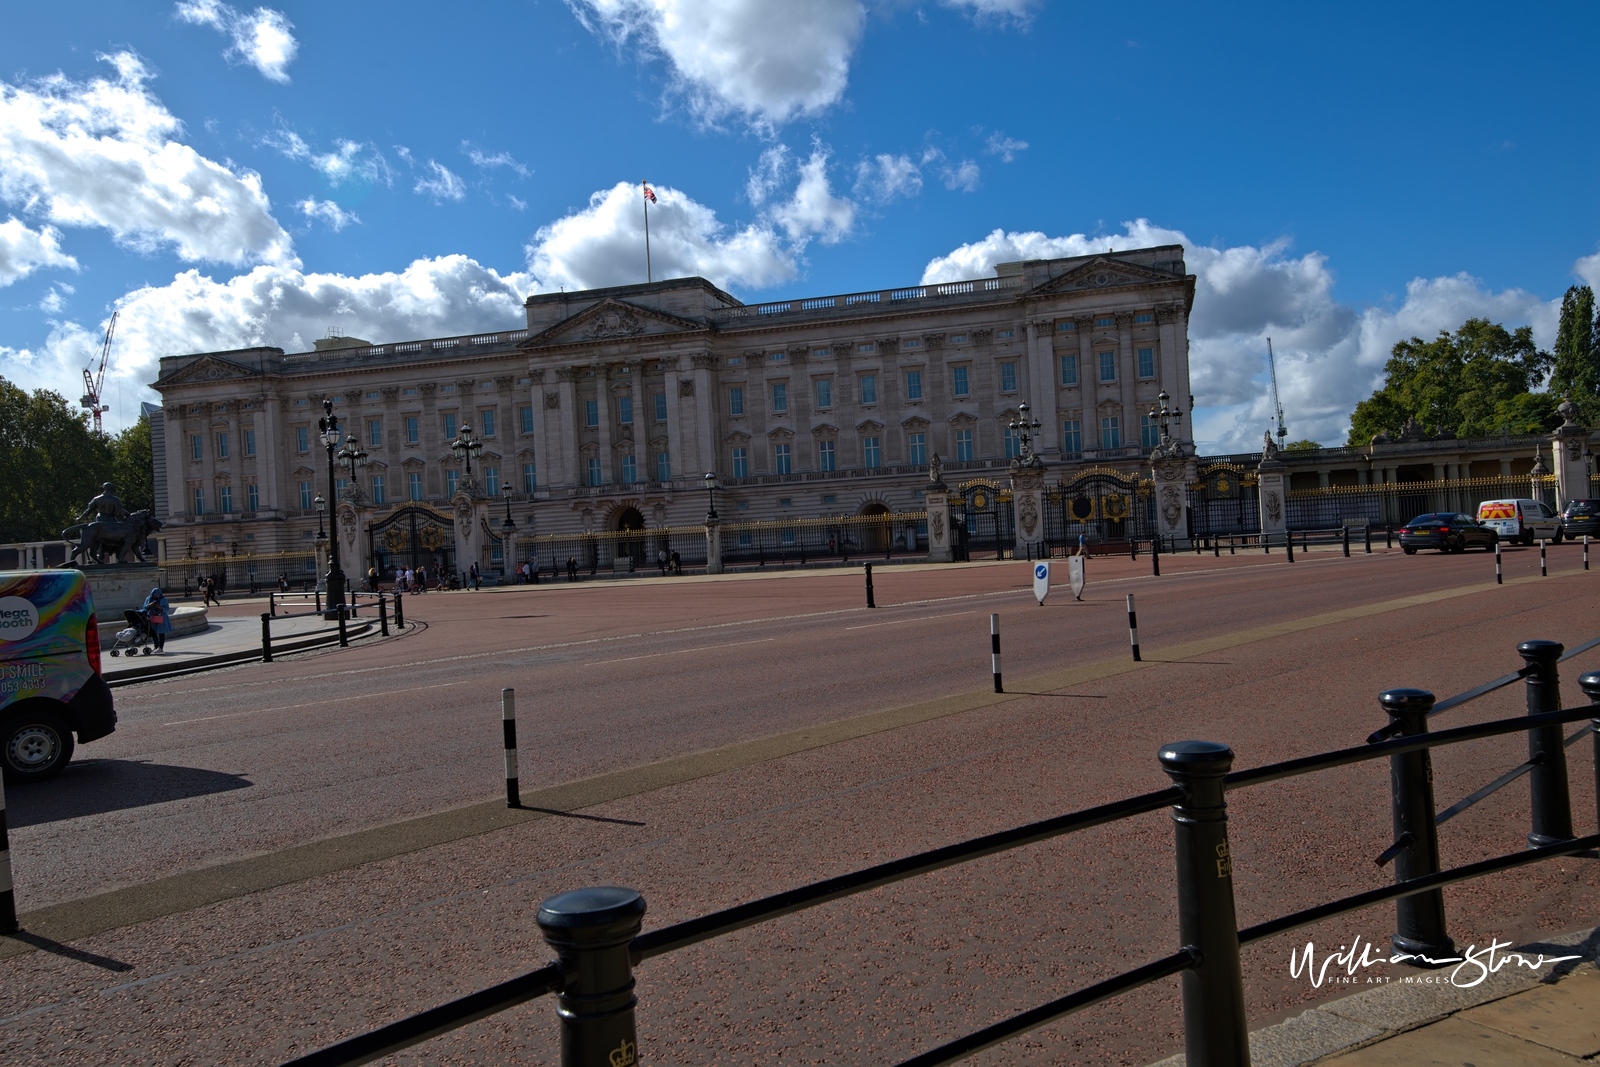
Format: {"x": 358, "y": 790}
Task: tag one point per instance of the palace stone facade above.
{"x": 607, "y": 411}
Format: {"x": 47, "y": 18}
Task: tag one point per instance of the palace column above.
{"x": 602, "y": 394}
{"x": 705, "y": 402}
{"x": 564, "y": 425}
{"x": 677, "y": 442}
{"x": 1043, "y": 384}
{"x": 1128, "y": 377}
{"x": 1088, "y": 382}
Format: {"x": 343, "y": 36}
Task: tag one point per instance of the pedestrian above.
{"x": 283, "y": 582}
{"x": 372, "y": 579}
{"x": 1083, "y": 544}
{"x": 833, "y": 545}
{"x": 572, "y": 568}
{"x": 422, "y": 579}
{"x": 477, "y": 579}
{"x": 208, "y": 590}
{"x": 661, "y": 561}
{"x": 677, "y": 563}
{"x": 158, "y": 613}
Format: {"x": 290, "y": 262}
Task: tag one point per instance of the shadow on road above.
{"x": 94, "y": 787}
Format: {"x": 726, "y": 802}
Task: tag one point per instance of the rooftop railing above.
{"x": 845, "y": 301}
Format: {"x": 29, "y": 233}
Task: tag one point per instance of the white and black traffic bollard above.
{"x": 1585, "y": 551}
{"x": 1133, "y": 629}
{"x": 1542, "y": 572}
{"x": 508, "y": 717}
{"x": 8, "y": 898}
{"x": 1498, "y": 577}
{"x": 994, "y": 650}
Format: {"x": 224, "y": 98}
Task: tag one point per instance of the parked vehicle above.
{"x": 1581, "y": 517}
{"x": 50, "y": 681}
{"x": 1447, "y": 531}
{"x": 1521, "y": 520}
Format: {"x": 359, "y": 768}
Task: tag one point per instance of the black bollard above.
{"x": 1214, "y": 1030}
{"x": 344, "y": 640}
{"x": 1155, "y": 555}
{"x": 1266, "y": 544}
{"x": 870, "y": 602}
{"x": 1133, "y": 548}
{"x": 1347, "y": 542}
{"x": 272, "y": 603}
{"x": 1288, "y": 544}
{"x": 1231, "y": 546}
{"x": 591, "y": 930}
{"x": 1388, "y": 535}
{"x": 383, "y": 614}
{"x": 1542, "y": 572}
{"x": 1216, "y": 548}
{"x": 508, "y": 720}
{"x": 399, "y": 612}
{"x": 266, "y": 638}
{"x": 1366, "y": 532}
{"x": 1498, "y": 578}
{"x": 8, "y": 896}
{"x": 1419, "y": 918}
{"x": 1590, "y": 684}
{"x": 1547, "y": 782}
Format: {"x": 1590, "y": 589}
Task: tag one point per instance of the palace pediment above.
{"x": 1104, "y": 272}
{"x": 208, "y": 368}
{"x": 610, "y": 321}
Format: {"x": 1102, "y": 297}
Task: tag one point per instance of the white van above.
{"x": 1521, "y": 520}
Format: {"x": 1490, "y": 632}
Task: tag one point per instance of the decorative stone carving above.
{"x": 464, "y": 385}
{"x": 798, "y": 354}
{"x": 569, "y": 374}
{"x": 937, "y": 522}
{"x": 427, "y": 388}
{"x": 391, "y": 393}
{"x": 1124, "y": 320}
{"x": 686, "y": 387}
{"x": 936, "y": 470}
{"x": 933, "y": 340}
{"x": 889, "y": 345}
{"x": 316, "y": 398}
{"x": 552, "y": 401}
{"x": 1172, "y": 503}
{"x": 1273, "y": 505}
{"x": 353, "y": 397}
{"x": 982, "y": 337}
{"x": 704, "y": 361}
{"x": 1028, "y": 515}
{"x": 613, "y": 322}
{"x": 504, "y": 381}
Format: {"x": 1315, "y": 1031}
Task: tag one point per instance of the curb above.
{"x": 1377, "y": 1015}
{"x": 157, "y": 671}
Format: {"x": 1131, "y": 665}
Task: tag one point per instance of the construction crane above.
{"x": 94, "y": 378}
{"x": 1277, "y": 405}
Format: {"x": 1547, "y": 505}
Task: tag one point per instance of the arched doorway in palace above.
{"x": 874, "y": 537}
{"x": 628, "y": 521}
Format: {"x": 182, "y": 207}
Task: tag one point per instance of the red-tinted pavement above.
{"x": 867, "y": 980}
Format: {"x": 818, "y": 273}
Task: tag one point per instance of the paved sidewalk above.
{"x": 224, "y": 634}
{"x": 1515, "y": 1017}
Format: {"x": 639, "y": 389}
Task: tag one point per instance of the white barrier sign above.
{"x": 1075, "y": 576}
{"x": 1041, "y": 581}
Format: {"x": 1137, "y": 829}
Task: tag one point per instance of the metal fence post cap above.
{"x": 591, "y": 915}
{"x": 1195, "y": 758}
{"x": 1540, "y": 650}
{"x": 1590, "y": 684}
{"x": 1398, "y": 702}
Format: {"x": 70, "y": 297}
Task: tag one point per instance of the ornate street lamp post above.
{"x": 352, "y": 456}
{"x": 508, "y": 530}
{"x": 1166, "y": 415}
{"x": 711, "y": 492}
{"x": 1026, "y": 429}
{"x": 465, "y": 447}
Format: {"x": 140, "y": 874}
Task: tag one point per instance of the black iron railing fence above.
{"x": 597, "y": 936}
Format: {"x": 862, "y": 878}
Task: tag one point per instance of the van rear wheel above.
{"x": 35, "y": 744}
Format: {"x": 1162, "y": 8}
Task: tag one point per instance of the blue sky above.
{"x": 1343, "y": 178}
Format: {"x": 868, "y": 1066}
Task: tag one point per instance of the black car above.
{"x": 1581, "y": 517}
{"x": 1448, "y": 531}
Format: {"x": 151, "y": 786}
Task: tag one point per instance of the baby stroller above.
{"x": 137, "y": 639}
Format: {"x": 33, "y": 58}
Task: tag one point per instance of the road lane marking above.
{"x": 919, "y": 618}
{"x": 679, "y": 652}
{"x": 308, "y": 704}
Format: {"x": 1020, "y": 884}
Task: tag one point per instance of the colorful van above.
{"x": 50, "y": 682}
{"x": 1520, "y": 520}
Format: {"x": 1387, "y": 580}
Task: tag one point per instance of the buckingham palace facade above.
{"x": 612, "y": 404}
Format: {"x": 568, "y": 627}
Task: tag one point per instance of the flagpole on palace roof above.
{"x": 645, "y": 199}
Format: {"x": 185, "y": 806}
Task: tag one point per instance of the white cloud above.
{"x": 814, "y": 210}
{"x": 273, "y": 305}
{"x": 885, "y": 177}
{"x": 518, "y": 203}
{"x": 603, "y": 244}
{"x": 1004, "y": 147}
{"x": 101, "y": 153}
{"x": 442, "y": 186}
{"x": 767, "y": 174}
{"x": 261, "y": 38}
{"x": 23, "y": 251}
{"x": 336, "y": 217}
{"x": 765, "y": 62}
{"x": 54, "y": 302}
{"x": 487, "y": 162}
{"x": 1330, "y": 354}
{"x": 1016, "y": 11}
{"x": 963, "y": 177}
{"x": 352, "y": 161}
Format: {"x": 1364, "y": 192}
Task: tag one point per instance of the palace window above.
{"x": 824, "y": 393}
{"x": 1106, "y": 320}
{"x": 222, "y": 445}
{"x": 225, "y": 498}
{"x": 491, "y": 481}
{"x": 782, "y": 462}
{"x": 1069, "y": 370}
{"x": 374, "y": 432}
{"x": 825, "y": 458}
{"x": 735, "y": 400}
{"x": 663, "y": 467}
{"x": 1072, "y": 435}
{"x": 486, "y": 421}
{"x": 249, "y": 442}
{"x": 200, "y": 501}
{"x": 595, "y": 471}
{"x": 913, "y": 385}
{"x": 1110, "y": 432}
{"x": 1008, "y": 377}
{"x": 822, "y": 353}
{"x": 661, "y": 407}
{"x": 624, "y": 411}
{"x": 451, "y": 480}
{"x": 1002, "y": 334}
{"x": 630, "y": 469}
{"x": 1013, "y": 443}
{"x": 530, "y": 478}
{"x": 958, "y": 338}
{"x": 1147, "y": 362}
{"x": 414, "y": 485}
{"x": 197, "y": 446}
{"x": 868, "y": 347}
{"x": 958, "y": 381}
{"x": 741, "y": 463}
{"x": 1108, "y": 366}
{"x": 302, "y": 439}
{"x": 450, "y": 425}
{"x": 919, "y": 448}
{"x": 305, "y": 496}
{"x": 963, "y": 446}
{"x": 372, "y": 396}
{"x": 872, "y": 455}
{"x": 1144, "y": 317}
{"x": 413, "y": 429}
{"x": 869, "y": 388}
{"x": 1149, "y": 432}
{"x": 380, "y": 494}
{"x": 1066, "y": 324}
{"x": 525, "y": 416}
{"x": 591, "y": 413}
{"x": 342, "y": 490}
{"x": 780, "y": 397}
{"x": 252, "y": 497}
{"x": 911, "y": 342}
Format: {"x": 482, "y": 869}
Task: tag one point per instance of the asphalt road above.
{"x": 625, "y": 677}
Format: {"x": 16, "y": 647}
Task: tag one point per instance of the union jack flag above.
{"x": 649, "y": 194}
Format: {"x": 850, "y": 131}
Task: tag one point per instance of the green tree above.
{"x": 1475, "y": 382}
{"x": 1301, "y": 446}
{"x": 133, "y": 467}
{"x": 51, "y": 464}
{"x": 1577, "y": 354}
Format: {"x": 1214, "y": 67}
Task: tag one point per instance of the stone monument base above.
{"x": 119, "y": 586}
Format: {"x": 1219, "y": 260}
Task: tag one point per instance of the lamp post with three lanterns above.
{"x": 352, "y": 456}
